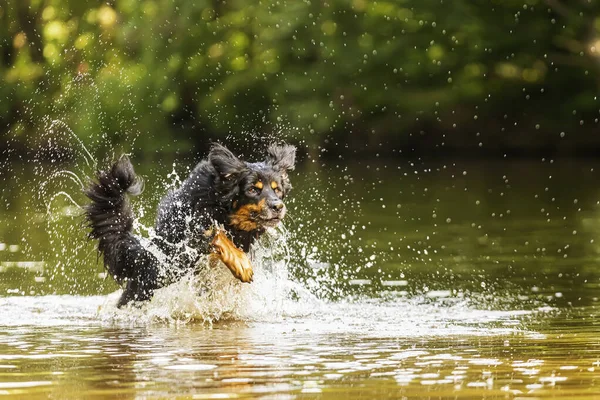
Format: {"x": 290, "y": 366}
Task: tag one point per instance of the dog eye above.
{"x": 254, "y": 190}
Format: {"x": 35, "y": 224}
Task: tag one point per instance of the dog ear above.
{"x": 282, "y": 158}
{"x": 225, "y": 163}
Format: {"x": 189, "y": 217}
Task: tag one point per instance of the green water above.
{"x": 433, "y": 279}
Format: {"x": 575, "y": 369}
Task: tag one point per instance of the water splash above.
{"x": 303, "y": 270}
{"x": 51, "y": 128}
{"x": 212, "y": 294}
{"x": 62, "y": 174}
{"x": 55, "y": 196}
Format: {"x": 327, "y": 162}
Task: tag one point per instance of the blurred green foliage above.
{"x": 174, "y": 71}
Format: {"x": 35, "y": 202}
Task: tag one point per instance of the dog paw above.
{"x": 236, "y": 260}
{"x": 245, "y": 273}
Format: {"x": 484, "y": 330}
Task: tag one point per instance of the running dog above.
{"x": 221, "y": 209}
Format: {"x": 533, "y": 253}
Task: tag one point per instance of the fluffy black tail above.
{"x": 110, "y": 218}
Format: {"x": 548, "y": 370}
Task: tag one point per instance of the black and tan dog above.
{"x": 223, "y": 191}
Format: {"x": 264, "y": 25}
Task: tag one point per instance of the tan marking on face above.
{"x": 258, "y": 185}
{"x": 242, "y": 218}
{"x": 273, "y": 185}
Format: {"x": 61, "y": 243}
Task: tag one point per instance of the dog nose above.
{"x": 276, "y": 205}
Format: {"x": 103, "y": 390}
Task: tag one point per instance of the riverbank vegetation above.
{"x": 169, "y": 74}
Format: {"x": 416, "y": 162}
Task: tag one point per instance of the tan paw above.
{"x": 236, "y": 260}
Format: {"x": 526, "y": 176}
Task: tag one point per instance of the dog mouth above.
{"x": 250, "y": 217}
{"x": 270, "y": 222}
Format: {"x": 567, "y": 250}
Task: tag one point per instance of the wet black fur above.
{"x": 211, "y": 193}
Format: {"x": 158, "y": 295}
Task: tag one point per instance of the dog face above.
{"x": 253, "y": 192}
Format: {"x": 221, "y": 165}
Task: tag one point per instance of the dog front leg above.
{"x": 235, "y": 259}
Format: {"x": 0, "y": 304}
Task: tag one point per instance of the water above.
{"x": 391, "y": 278}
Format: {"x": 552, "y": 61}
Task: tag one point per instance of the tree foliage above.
{"x": 336, "y": 71}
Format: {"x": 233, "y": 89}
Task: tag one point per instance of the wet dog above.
{"x": 221, "y": 209}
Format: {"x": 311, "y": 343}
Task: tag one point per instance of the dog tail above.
{"x": 110, "y": 218}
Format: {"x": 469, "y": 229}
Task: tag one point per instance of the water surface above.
{"x": 423, "y": 278}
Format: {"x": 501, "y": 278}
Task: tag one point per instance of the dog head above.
{"x": 253, "y": 193}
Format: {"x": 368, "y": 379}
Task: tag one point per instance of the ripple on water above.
{"x": 392, "y": 345}
{"x": 179, "y": 304}
{"x": 191, "y": 367}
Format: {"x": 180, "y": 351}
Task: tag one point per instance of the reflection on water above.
{"x": 358, "y": 349}
{"x": 440, "y": 280}
{"x": 60, "y": 345}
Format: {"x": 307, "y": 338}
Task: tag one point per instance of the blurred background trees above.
{"x": 434, "y": 75}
